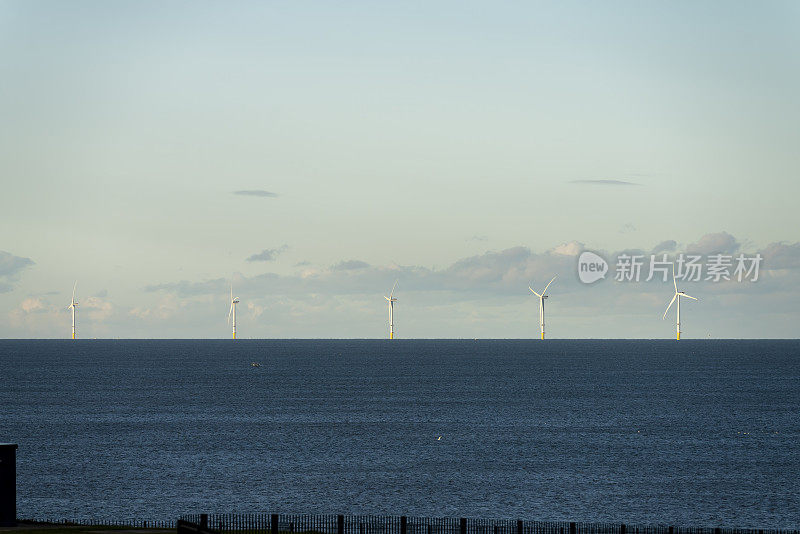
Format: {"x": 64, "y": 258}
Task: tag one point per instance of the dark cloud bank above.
{"x": 495, "y": 273}
{"x": 268, "y": 254}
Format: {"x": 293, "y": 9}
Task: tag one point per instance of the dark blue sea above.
{"x": 693, "y": 433}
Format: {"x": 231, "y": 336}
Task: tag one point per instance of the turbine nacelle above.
{"x": 543, "y": 294}
{"x": 677, "y": 295}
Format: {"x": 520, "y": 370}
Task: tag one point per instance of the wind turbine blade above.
{"x": 73, "y": 290}
{"x": 670, "y": 305}
{"x": 534, "y": 292}
{"x": 230, "y": 312}
{"x": 387, "y": 298}
{"x": 548, "y": 285}
{"x": 394, "y": 286}
{"x": 674, "y": 283}
{"x": 689, "y": 296}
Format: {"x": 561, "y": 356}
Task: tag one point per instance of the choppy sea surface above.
{"x": 694, "y": 433}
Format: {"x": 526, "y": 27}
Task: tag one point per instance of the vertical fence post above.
{"x": 340, "y": 524}
{"x": 519, "y": 526}
{"x": 622, "y": 528}
{"x": 204, "y": 520}
{"x": 403, "y": 524}
{"x": 274, "y": 524}
{"x": 671, "y": 529}
{"x": 463, "y": 525}
{"x": 573, "y": 528}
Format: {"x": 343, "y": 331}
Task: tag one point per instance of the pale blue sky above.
{"x": 411, "y": 134}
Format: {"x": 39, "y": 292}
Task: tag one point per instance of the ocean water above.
{"x": 695, "y": 433}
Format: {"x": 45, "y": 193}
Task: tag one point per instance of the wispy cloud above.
{"x": 11, "y": 264}
{"x": 350, "y": 265}
{"x": 256, "y": 193}
{"x": 186, "y": 288}
{"x": 10, "y": 267}
{"x": 268, "y": 254}
{"x": 603, "y": 182}
{"x": 33, "y": 305}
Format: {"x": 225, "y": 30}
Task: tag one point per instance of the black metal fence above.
{"x": 130, "y": 523}
{"x": 343, "y": 524}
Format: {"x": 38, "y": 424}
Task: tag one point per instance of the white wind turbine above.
{"x": 232, "y": 311}
{"x": 391, "y": 301}
{"x": 677, "y": 296}
{"x": 73, "y": 305}
{"x": 542, "y": 296}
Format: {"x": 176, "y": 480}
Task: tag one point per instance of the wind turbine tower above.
{"x": 73, "y": 305}
{"x": 542, "y": 296}
{"x": 232, "y": 311}
{"x": 391, "y": 301}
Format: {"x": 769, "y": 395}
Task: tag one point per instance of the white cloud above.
{"x": 97, "y": 308}
{"x": 573, "y": 248}
{"x": 32, "y": 305}
{"x": 254, "y": 309}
